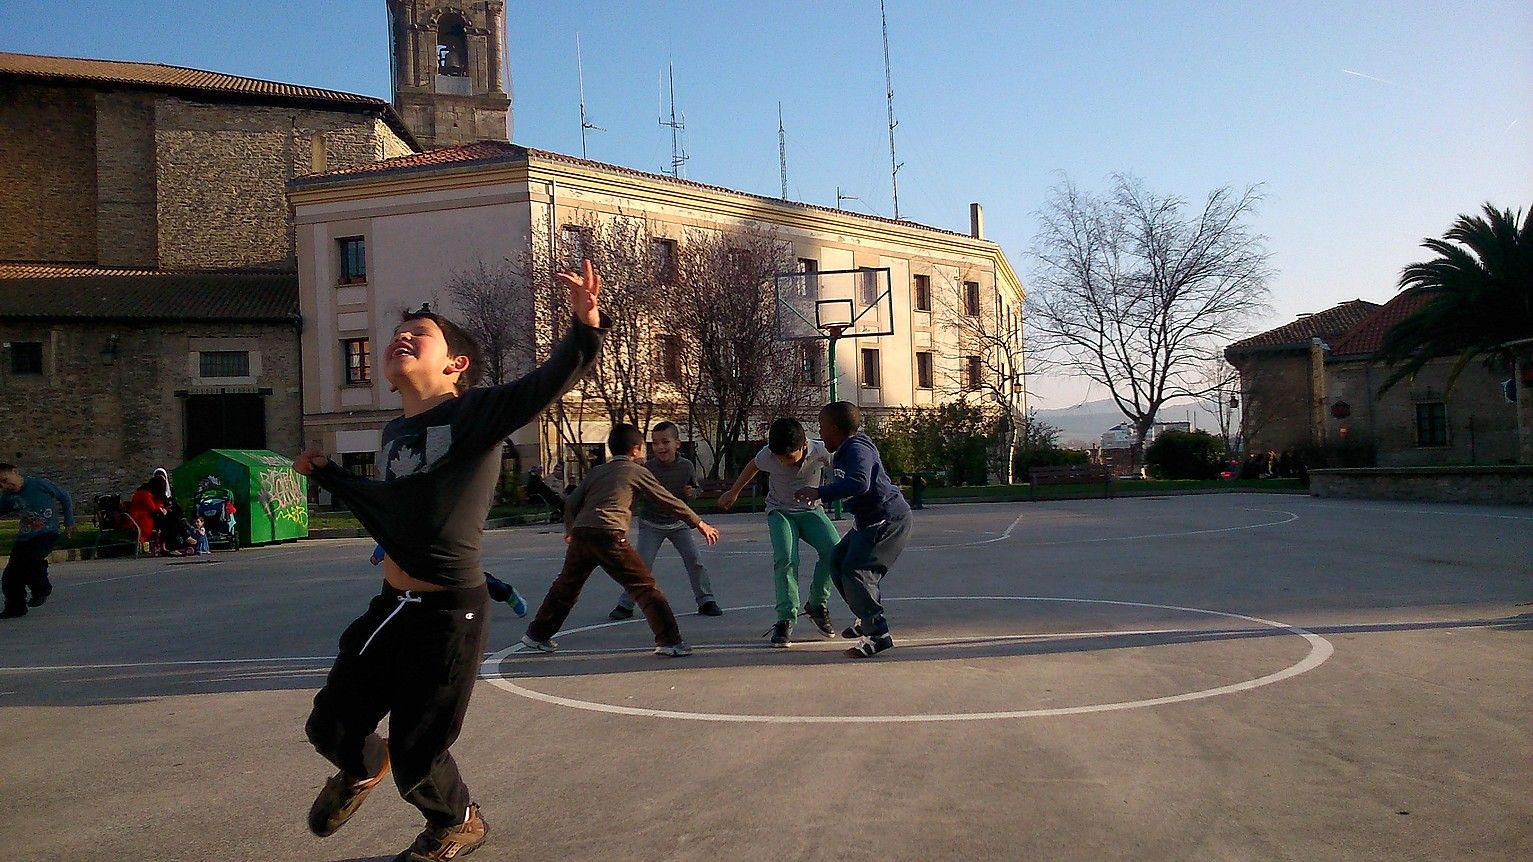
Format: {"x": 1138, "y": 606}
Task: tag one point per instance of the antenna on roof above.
{"x": 894, "y": 165}
{"x": 782, "y": 152}
{"x": 585, "y": 122}
{"x": 841, "y": 197}
{"x": 679, "y": 154}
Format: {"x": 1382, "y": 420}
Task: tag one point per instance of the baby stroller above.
{"x": 215, "y": 506}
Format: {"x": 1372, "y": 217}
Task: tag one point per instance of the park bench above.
{"x": 1071, "y": 474}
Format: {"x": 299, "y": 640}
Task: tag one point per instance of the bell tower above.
{"x": 448, "y": 59}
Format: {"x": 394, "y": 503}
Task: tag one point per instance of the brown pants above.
{"x": 591, "y": 547}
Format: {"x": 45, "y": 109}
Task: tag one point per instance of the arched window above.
{"x": 452, "y": 47}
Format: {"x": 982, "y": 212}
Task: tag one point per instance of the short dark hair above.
{"x": 786, "y": 435}
{"x": 459, "y": 343}
{"x": 667, "y": 427}
{"x": 9, "y": 468}
{"x": 624, "y": 438}
{"x": 842, "y": 415}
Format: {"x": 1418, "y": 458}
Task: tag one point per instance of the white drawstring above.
{"x": 405, "y": 599}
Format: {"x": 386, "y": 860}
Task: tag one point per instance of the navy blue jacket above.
{"x": 862, "y": 482}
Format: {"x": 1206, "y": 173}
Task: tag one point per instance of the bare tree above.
{"x": 1219, "y": 383}
{"x": 736, "y": 369}
{"x": 494, "y": 305}
{"x": 984, "y": 359}
{"x": 1137, "y": 293}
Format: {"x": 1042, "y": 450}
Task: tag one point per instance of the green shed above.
{"x": 272, "y": 498}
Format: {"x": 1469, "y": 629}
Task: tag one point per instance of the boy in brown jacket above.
{"x": 596, "y": 519}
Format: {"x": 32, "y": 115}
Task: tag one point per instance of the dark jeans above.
{"x": 592, "y": 547}
{"x": 27, "y": 569}
{"x": 413, "y": 657}
{"x": 859, "y": 564}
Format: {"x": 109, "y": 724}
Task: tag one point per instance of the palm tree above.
{"x": 1480, "y": 306}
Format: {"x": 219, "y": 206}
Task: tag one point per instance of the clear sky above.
{"x": 1372, "y": 123}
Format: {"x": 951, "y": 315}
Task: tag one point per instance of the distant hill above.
{"x": 1083, "y": 424}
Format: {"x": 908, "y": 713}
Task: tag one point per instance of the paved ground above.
{"x": 1214, "y": 677}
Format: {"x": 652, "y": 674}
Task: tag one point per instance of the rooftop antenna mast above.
{"x": 782, "y": 152}
{"x": 678, "y": 152}
{"x": 894, "y": 165}
{"x": 585, "y": 122}
{"x": 841, "y": 197}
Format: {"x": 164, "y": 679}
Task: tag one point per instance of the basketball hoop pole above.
{"x": 835, "y": 335}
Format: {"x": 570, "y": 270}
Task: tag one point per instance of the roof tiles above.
{"x": 1329, "y": 325}
{"x": 74, "y": 292}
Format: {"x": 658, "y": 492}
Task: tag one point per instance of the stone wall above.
{"x": 1274, "y": 398}
{"x": 125, "y": 182}
{"x": 222, "y": 171}
{"x": 102, "y": 428}
{"x": 1482, "y": 424}
{"x": 48, "y": 173}
{"x": 1496, "y": 485}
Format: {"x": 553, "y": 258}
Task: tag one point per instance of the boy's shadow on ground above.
{"x": 393, "y": 857}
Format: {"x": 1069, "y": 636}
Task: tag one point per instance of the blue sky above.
{"x": 994, "y": 99}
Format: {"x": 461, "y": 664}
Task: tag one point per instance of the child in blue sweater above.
{"x": 881, "y": 524}
{"x": 43, "y": 506}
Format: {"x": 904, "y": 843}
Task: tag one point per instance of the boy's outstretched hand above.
{"x": 807, "y": 495}
{"x": 585, "y": 287}
{"x": 710, "y": 535}
{"x": 309, "y": 460}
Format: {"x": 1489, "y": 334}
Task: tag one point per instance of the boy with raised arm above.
{"x": 881, "y": 526}
{"x": 415, "y": 653}
{"x": 793, "y": 462}
{"x": 596, "y": 519}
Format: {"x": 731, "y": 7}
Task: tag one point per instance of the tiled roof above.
{"x": 1368, "y": 336}
{"x": 1329, "y": 326}
{"x": 156, "y": 76}
{"x": 500, "y": 152}
{"x": 73, "y": 292}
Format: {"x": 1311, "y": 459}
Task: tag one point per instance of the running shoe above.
{"x": 675, "y": 650}
{"x": 539, "y": 646}
{"x": 781, "y": 633}
{"x": 445, "y": 843}
{"x": 820, "y": 616}
{"x": 710, "y": 608}
{"x": 620, "y": 613}
{"x": 870, "y": 646}
{"x": 340, "y": 798}
{"x": 853, "y": 631}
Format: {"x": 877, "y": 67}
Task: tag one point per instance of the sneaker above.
{"x": 38, "y": 598}
{"x": 869, "y": 647}
{"x": 710, "y": 608}
{"x": 781, "y": 633}
{"x": 820, "y": 616}
{"x": 539, "y": 646}
{"x": 620, "y": 613}
{"x": 853, "y": 631}
{"x": 675, "y": 650}
{"x": 517, "y": 603}
{"x": 339, "y": 799}
{"x": 444, "y": 843}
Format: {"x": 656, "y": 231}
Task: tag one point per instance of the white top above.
{"x": 783, "y": 480}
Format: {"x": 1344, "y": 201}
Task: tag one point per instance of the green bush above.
{"x": 1186, "y": 455}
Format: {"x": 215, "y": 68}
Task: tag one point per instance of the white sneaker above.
{"x": 676, "y": 650}
{"x": 539, "y": 646}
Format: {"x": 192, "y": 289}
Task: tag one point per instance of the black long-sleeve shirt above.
{"x": 440, "y": 467}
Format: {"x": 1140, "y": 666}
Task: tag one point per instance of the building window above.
{"x": 664, "y": 252}
{"x": 812, "y": 360}
{"x": 923, "y": 293}
{"x": 27, "y": 357}
{"x": 359, "y": 361}
{"x": 973, "y": 374}
{"x": 971, "y": 298}
{"x": 867, "y": 287}
{"x": 1432, "y": 424}
{"x": 670, "y": 358}
{"x": 810, "y": 289}
{"x": 360, "y": 464}
{"x": 572, "y": 241}
{"x": 924, "y": 370}
{"x": 741, "y": 260}
{"x": 223, "y": 363}
{"x": 870, "y": 371}
{"x": 353, "y": 252}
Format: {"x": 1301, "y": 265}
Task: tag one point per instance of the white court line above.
{"x": 1320, "y": 650}
{"x": 193, "y": 663}
{"x": 1406, "y": 511}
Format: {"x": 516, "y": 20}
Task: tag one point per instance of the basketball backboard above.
{"x": 844, "y": 303}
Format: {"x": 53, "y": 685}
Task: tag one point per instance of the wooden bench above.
{"x": 1070, "y": 474}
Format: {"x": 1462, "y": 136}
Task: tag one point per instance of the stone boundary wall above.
{"x": 1496, "y": 485}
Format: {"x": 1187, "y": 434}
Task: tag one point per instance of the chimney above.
{"x": 976, "y": 221}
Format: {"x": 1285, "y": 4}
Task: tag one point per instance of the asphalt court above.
{"x": 1221, "y": 676}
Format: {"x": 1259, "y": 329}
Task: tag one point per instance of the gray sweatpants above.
{"x": 648, "y": 542}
